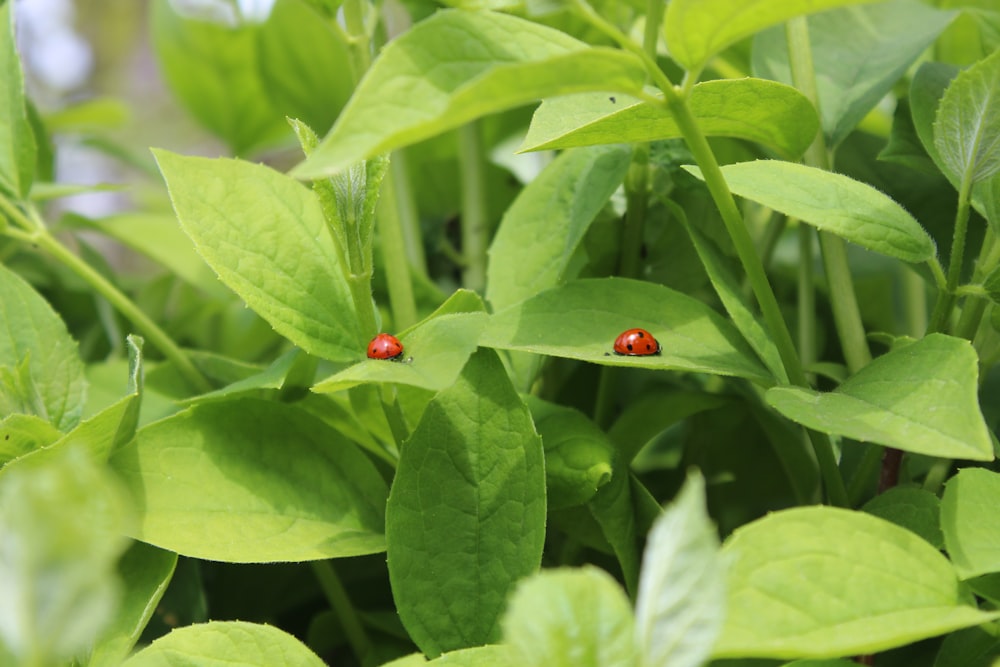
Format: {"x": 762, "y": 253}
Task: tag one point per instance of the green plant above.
{"x": 837, "y": 458}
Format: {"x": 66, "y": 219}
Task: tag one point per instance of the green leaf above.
{"x": 756, "y": 110}
{"x": 233, "y": 643}
{"x": 570, "y": 618}
{"x": 492, "y": 655}
{"x": 252, "y": 481}
{"x": 613, "y": 508}
{"x": 822, "y": 582}
{"x": 581, "y": 320}
{"x": 970, "y": 522}
{"x": 466, "y": 515}
{"x": 35, "y": 338}
{"x": 17, "y": 141}
{"x": 434, "y": 350}
{"x": 304, "y": 64}
{"x": 920, "y": 398}
{"x": 145, "y": 572}
{"x": 967, "y": 129}
{"x": 698, "y": 29}
{"x": 457, "y": 66}
{"x": 859, "y": 53}
{"x": 22, "y": 434}
{"x": 62, "y": 523}
{"x": 213, "y": 71}
{"x": 833, "y": 203}
{"x": 972, "y": 647}
{"x": 579, "y": 457}
{"x": 915, "y": 509}
{"x": 265, "y": 236}
{"x": 682, "y": 589}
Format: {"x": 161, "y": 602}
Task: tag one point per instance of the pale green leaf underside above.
{"x": 32, "y": 333}
{"x": 971, "y": 523}
{"x": 698, "y": 29}
{"x": 822, "y": 582}
{"x": 253, "y": 481}
{"x": 17, "y": 142}
{"x": 920, "y": 398}
{"x": 967, "y": 129}
{"x": 756, "y": 110}
{"x": 570, "y": 618}
{"x": 230, "y": 643}
{"x": 581, "y": 320}
{"x": 265, "y": 236}
{"x": 834, "y": 203}
{"x": 457, "y": 66}
{"x": 466, "y": 516}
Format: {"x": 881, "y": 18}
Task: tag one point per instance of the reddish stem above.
{"x": 891, "y": 461}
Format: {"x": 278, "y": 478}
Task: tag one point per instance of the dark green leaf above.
{"x": 914, "y": 509}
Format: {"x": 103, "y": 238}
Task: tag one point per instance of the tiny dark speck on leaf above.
{"x": 612, "y": 100}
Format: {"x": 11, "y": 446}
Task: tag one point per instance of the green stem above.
{"x": 475, "y": 231}
{"x": 946, "y": 297}
{"x": 354, "y": 631}
{"x": 915, "y": 302}
{"x": 806, "y": 297}
{"x": 358, "y": 40}
{"x": 406, "y": 206}
{"x": 38, "y": 235}
{"x": 637, "y": 204}
{"x": 397, "y": 266}
{"x": 975, "y": 306}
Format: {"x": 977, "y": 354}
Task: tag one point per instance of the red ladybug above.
{"x": 385, "y": 346}
{"x": 636, "y": 343}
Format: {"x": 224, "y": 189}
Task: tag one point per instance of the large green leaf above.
{"x": 434, "y": 350}
{"x": 757, "y": 110}
{"x": 920, "y": 397}
{"x": 253, "y": 481}
{"x": 265, "y": 236}
{"x": 971, "y": 523}
{"x": 967, "y": 129}
{"x": 466, "y": 516}
{"x": 698, "y": 29}
{"x": 230, "y": 643}
{"x": 36, "y": 348}
{"x": 822, "y": 582}
{"x": 833, "y": 203}
{"x": 17, "y": 141}
{"x": 859, "y": 53}
{"x": 581, "y": 320}
{"x": 212, "y": 69}
{"x": 457, "y": 66}
{"x": 570, "y": 618}
{"x": 491, "y": 655}
{"x": 682, "y": 590}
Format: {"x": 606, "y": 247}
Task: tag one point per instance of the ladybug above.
{"x": 385, "y": 346}
{"x": 636, "y": 343}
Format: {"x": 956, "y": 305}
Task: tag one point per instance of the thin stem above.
{"x": 975, "y": 306}
{"x": 915, "y": 302}
{"x": 409, "y": 221}
{"x": 397, "y": 267}
{"x": 946, "y": 297}
{"x": 637, "y": 204}
{"x": 806, "y": 297}
{"x": 354, "y": 631}
{"x": 475, "y": 231}
{"x": 358, "y": 39}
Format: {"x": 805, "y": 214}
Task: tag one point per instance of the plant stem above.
{"x": 354, "y": 631}
{"x": 35, "y": 233}
{"x": 974, "y": 307}
{"x": 946, "y": 297}
{"x": 357, "y": 37}
{"x": 409, "y": 221}
{"x": 397, "y": 267}
{"x": 806, "y": 297}
{"x": 475, "y": 231}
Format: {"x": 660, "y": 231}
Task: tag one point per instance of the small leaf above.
{"x": 17, "y": 141}
{"x": 682, "y": 589}
{"x": 822, "y": 582}
{"x": 970, "y": 522}
{"x": 967, "y": 129}
{"x": 766, "y": 112}
{"x": 581, "y": 320}
{"x": 457, "y": 66}
{"x": 233, "y": 643}
{"x": 435, "y": 350}
{"x": 914, "y": 509}
{"x": 856, "y": 64}
{"x": 920, "y": 398}
{"x": 22, "y": 434}
{"x": 212, "y": 70}
{"x": 570, "y": 618}
{"x": 466, "y": 516}
{"x": 834, "y": 203}
{"x": 34, "y": 337}
{"x": 252, "y": 481}
{"x": 265, "y": 236}
{"x": 698, "y": 29}
{"x": 578, "y": 455}
{"x": 62, "y": 521}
